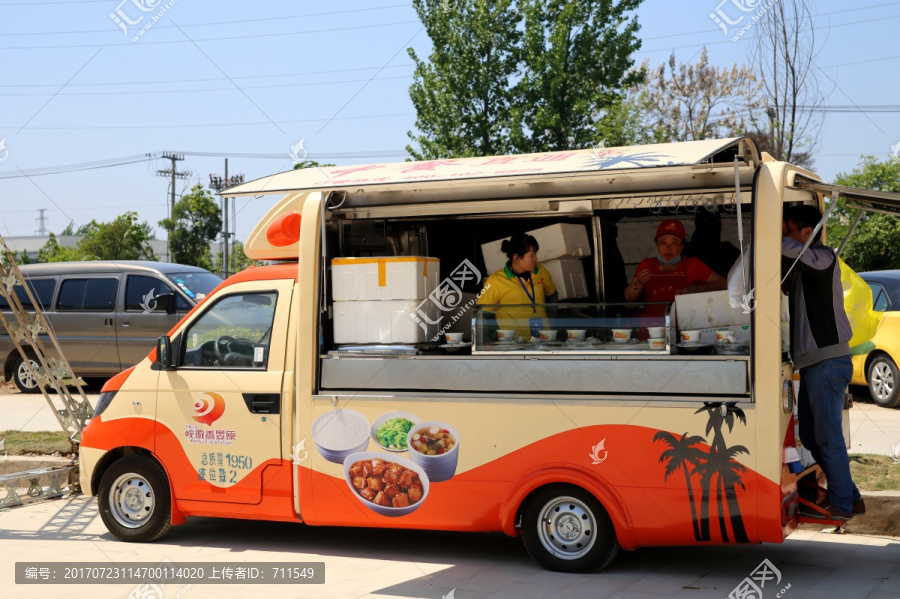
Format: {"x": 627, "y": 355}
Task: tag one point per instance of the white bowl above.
{"x": 506, "y": 335}
{"x": 621, "y": 335}
{"x": 438, "y": 467}
{"x": 548, "y": 335}
{"x": 453, "y": 337}
{"x": 576, "y": 334}
{"x": 338, "y": 433}
{"x": 691, "y": 336}
{"x": 384, "y": 418}
{"x": 656, "y": 343}
{"x": 657, "y": 332}
{"x": 380, "y": 509}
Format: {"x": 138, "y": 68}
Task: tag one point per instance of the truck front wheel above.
{"x": 134, "y": 499}
{"x": 565, "y": 529}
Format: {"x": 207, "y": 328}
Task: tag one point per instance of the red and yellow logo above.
{"x": 208, "y": 408}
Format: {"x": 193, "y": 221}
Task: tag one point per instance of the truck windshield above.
{"x": 196, "y": 285}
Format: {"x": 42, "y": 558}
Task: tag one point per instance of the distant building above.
{"x": 31, "y": 244}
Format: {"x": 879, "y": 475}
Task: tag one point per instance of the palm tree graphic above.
{"x": 717, "y": 470}
{"x": 681, "y": 454}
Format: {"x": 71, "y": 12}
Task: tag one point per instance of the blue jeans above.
{"x": 820, "y": 408}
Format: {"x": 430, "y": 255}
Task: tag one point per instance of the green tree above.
{"x": 875, "y": 244}
{"x": 528, "y": 76}
{"x": 53, "y": 252}
{"x": 71, "y": 230}
{"x": 697, "y": 101}
{"x": 195, "y": 223}
{"x": 20, "y": 258}
{"x": 122, "y": 239}
{"x": 463, "y": 93}
{"x": 310, "y": 164}
{"x": 576, "y": 58}
{"x": 237, "y": 260}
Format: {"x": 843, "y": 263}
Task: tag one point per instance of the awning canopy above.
{"x": 552, "y": 168}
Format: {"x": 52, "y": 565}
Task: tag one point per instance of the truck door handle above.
{"x": 263, "y": 403}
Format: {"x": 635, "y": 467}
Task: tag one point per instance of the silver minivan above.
{"x": 106, "y": 315}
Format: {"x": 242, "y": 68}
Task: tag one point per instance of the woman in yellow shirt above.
{"x": 522, "y": 285}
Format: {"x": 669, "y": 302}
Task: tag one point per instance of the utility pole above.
{"x": 173, "y": 172}
{"x": 42, "y": 222}
{"x": 219, "y": 183}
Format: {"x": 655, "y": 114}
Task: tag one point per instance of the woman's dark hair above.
{"x": 519, "y": 245}
{"x": 804, "y": 216}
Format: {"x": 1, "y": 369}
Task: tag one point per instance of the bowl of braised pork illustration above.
{"x": 387, "y": 484}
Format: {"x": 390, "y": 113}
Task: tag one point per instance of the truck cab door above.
{"x": 220, "y": 407}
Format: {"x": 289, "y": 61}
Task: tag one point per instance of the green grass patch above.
{"x": 875, "y": 472}
{"x": 37, "y": 442}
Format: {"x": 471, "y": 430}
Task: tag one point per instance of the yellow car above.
{"x": 878, "y": 368}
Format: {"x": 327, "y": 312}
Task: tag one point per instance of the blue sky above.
{"x": 241, "y": 78}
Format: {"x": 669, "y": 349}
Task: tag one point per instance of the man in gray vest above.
{"x": 820, "y": 349}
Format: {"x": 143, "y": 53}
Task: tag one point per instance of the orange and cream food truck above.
{"x": 364, "y": 382}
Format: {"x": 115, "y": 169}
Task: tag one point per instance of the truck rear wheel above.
{"x": 134, "y": 499}
{"x": 565, "y": 529}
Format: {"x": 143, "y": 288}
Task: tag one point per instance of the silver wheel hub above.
{"x": 882, "y": 380}
{"x": 567, "y": 528}
{"x": 131, "y": 500}
{"x": 25, "y": 375}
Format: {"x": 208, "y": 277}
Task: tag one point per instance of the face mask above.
{"x": 674, "y": 260}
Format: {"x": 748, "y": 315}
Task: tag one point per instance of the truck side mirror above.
{"x": 166, "y": 301}
{"x": 164, "y": 352}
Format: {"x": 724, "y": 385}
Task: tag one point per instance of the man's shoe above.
{"x": 833, "y": 514}
{"x": 859, "y": 507}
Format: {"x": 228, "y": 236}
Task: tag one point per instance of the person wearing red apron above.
{"x": 661, "y": 278}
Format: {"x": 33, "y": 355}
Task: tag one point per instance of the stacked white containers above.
{"x": 384, "y": 300}
{"x": 561, "y": 248}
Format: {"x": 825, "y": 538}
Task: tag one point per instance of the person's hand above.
{"x": 642, "y": 276}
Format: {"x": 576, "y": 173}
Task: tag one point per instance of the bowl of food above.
{"x": 434, "y": 446}
{"x": 692, "y": 336}
{"x": 387, "y": 484}
{"x": 621, "y": 335}
{"x": 391, "y": 430}
{"x": 547, "y": 335}
{"x": 338, "y": 433}
{"x": 576, "y": 334}
{"x": 657, "y": 343}
{"x": 656, "y": 332}
{"x": 506, "y": 335}
{"x": 453, "y": 338}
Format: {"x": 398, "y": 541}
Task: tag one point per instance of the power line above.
{"x": 214, "y": 39}
{"x": 202, "y": 125}
{"x": 209, "y": 89}
{"x": 328, "y": 72}
{"x": 211, "y": 24}
{"x": 125, "y": 160}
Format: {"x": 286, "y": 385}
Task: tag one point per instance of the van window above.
{"x": 234, "y": 333}
{"x": 87, "y": 295}
{"x": 141, "y": 291}
{"x": 41, "y": 288}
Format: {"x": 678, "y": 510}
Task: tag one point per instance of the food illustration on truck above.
{"x": 390, "y": 484}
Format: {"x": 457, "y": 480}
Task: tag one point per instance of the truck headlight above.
{"x": 104, "y": 401}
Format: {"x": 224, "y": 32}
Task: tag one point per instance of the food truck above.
{"x": 360, "y": 382}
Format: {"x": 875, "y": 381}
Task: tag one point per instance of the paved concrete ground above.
{"x": 389, "y": 563}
